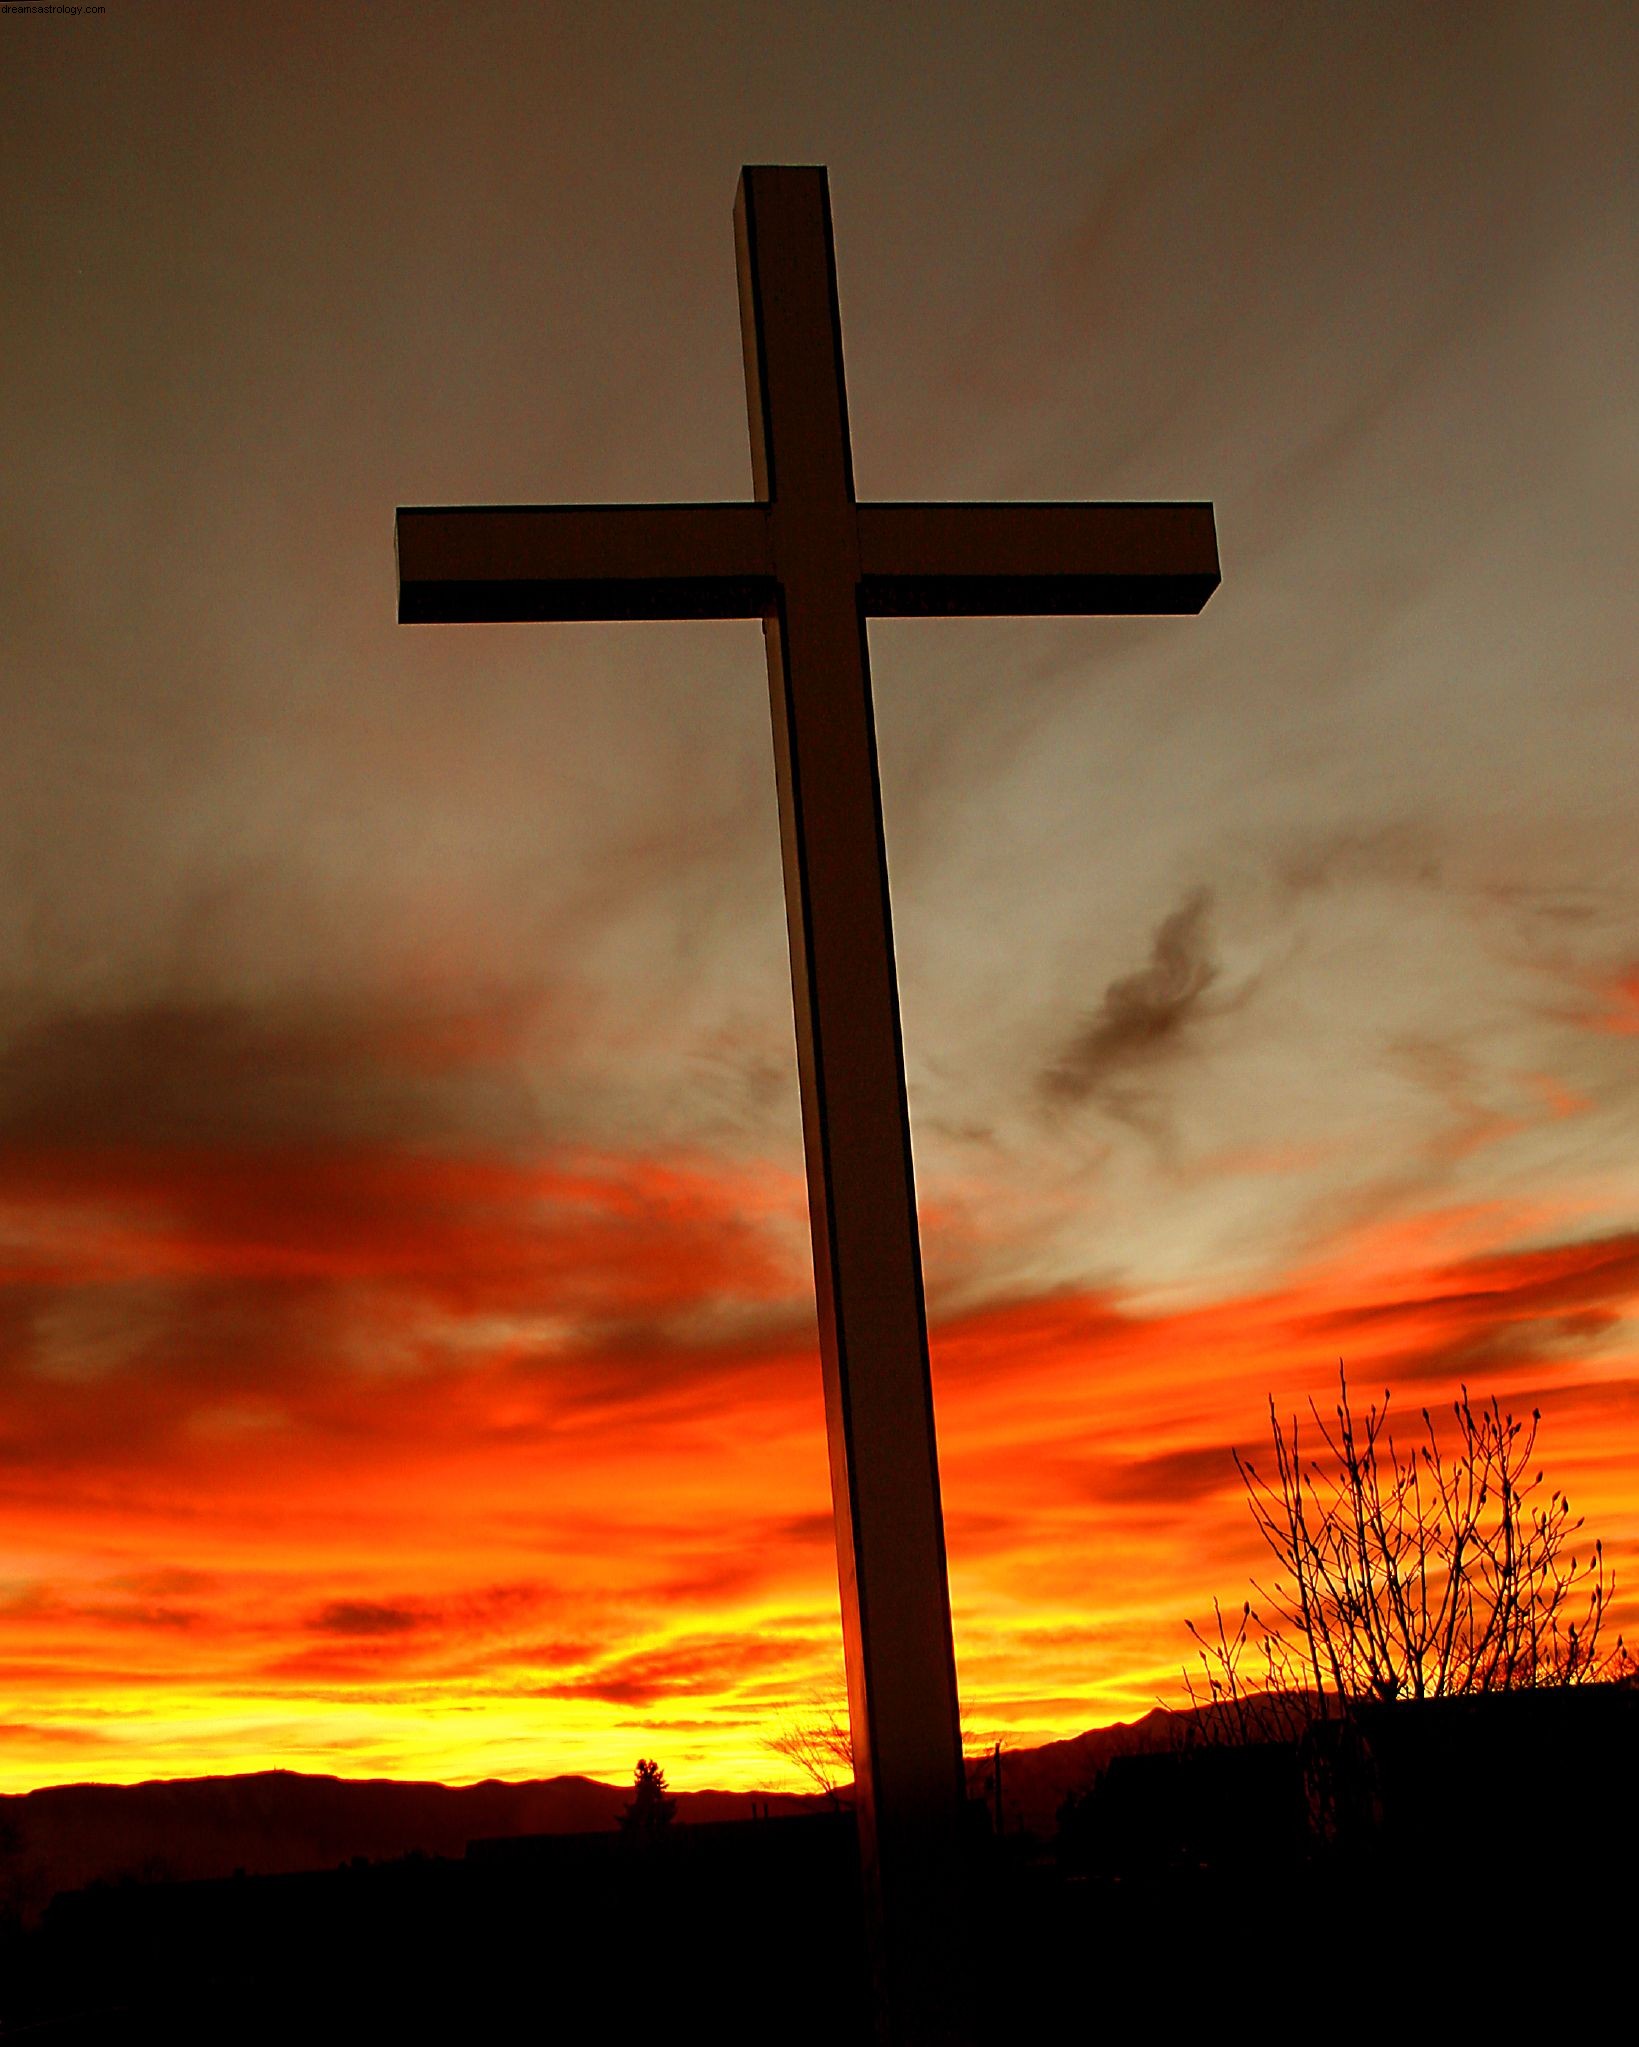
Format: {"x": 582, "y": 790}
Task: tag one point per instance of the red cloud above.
{"x": 1621, "y": 1019}
{"x": 453, "y": 1461}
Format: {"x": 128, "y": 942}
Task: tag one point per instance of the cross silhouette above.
{"x": 813, "y": 564}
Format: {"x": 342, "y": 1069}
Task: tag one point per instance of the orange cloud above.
{"x": 458, "y": 1463}
{"x": 1621, "y": 1019}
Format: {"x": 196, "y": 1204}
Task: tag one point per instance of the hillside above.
{"x": 277, "y": 1821}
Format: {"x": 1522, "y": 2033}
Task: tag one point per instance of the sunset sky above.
{"x": 407, "y": 1353}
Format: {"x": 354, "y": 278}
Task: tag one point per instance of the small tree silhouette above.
{"x": 1419, "y": 1575}
{"x": 650, "y": 1809}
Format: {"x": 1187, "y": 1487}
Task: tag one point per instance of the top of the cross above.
{"x": 728, "y": 561}
{"x": 791, "y": 332}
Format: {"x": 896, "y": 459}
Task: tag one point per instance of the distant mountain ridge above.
{"x": 275, "y": 1821}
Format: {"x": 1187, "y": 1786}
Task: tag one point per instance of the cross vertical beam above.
{"x": 896, "y": 1629}
{"x": 813, "y": 565}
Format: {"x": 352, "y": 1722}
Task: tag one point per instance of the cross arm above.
{"x": 992, "y": 560}
{"x": 465, "y": 564}
{"x": 459, "y": 565}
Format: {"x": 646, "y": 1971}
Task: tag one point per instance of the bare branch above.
{"x": 1415, "y": 1575}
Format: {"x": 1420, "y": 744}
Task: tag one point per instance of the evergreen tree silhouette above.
{"x": 650, "y": 1809}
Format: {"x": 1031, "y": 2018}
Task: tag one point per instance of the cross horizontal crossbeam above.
{"x": 466, "y": 565}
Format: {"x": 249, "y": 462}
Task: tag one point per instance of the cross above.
{"x": 814, "y": 564}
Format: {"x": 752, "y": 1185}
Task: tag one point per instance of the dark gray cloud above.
{"x": 109, "y": 1374}
{"x": 1510, "y": 1315}
{"x": 183, "y": 1072}
{"x": 364, "y": 1617}
{"x": 1173, "y": 1478}
{"x": 1144, "y": 1017}
{"x": 1558, "y": 1285}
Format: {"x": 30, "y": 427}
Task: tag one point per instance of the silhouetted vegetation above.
{"x": 819, "y": 1743}
{"x": 1433, "y": 1572}
{"x": 1178, "y": 1868}
{"x": 650, "y": 1809}
{"x": 1425, "y": 1719}
{"x": 556, "y": 1938}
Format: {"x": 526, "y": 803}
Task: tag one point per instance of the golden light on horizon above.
{"x": 489, "y": 1527}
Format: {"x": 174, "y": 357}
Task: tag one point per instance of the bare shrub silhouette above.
{"x": 1417, "y": 1574}
{"x": 819, "y": 1743}
{"x": 821, "y": 1747}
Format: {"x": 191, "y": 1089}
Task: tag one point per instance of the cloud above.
{"x": 693, "y": 1665}
{"x": 1396, "y": 852}
{"x": 52, "y": 1603}
{"x": 233, "y": 1220}
{"x": 1144, "y": 1017}
{"x": 35, "y": 1732}
{"x": 1620, "y": 1016}
{"x": 1556, "y": 1285}
{"x": 364, "y": 1617}
{"x": 679, "y": 1560}
{"x": 405, "y": 1068}
{"x": 1172, "y": 1478}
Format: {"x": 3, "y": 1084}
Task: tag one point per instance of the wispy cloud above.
{"x": 601, "y": 1566}
{"x": 1396, "y": 852}
{"x": 1143, "y": 1019}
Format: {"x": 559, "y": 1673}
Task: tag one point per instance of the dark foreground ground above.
{"x": 759, "y": 1942}
{"x": 1423, "y": 1873}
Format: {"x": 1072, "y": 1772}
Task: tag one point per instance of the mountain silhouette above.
{"x": 278, "y": 1821}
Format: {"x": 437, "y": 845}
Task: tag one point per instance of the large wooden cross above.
{"x": 814, "y": 564}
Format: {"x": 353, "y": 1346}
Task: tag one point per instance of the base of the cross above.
{"x": 923, "y": 1941}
